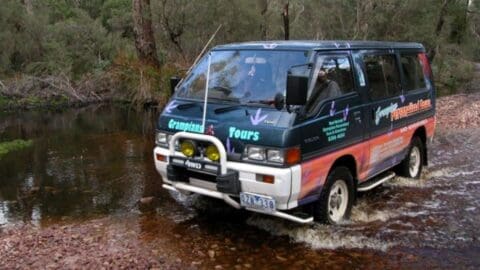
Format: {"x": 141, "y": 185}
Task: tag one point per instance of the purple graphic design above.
{"x": 172, "y": 105}
{"x": 402, "y": 98}
{"x": 258, "y": 117}
{"x": 306, "y": 174}
{"x": 363, "y": 161}
{"x": 210, "y": 130}
{"x": 394, "y": 160}
{"x": 345, "y": 113}
{"x": 332, "y": 109}
{"x": 230, "y": 149}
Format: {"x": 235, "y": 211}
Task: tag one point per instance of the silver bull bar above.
{"x": 178, "y": 186}
{"x": 201, "y": 137}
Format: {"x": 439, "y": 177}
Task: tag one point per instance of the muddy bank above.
{"x": 60, "y": 92}
{"x": 91, "y": 245}
{"x": 458, "y": 111}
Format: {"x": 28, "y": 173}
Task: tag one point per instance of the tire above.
{"x": 412, "y": 165}
{"x": 337, "y": 197}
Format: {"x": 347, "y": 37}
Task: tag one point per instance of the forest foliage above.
{"x": 89, "y": 45}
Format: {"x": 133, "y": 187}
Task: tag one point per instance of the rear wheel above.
{"x": 336, "y": 199}
{"x": 412, "y": 165}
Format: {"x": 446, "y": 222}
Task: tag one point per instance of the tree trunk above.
{"x": 174, "y": 31}
{"x": 263, "y": 4}
{"x": 286, "y": 23}
{"x": 28, "y": 6}
{"x": 143, "y": 33}
{"x": 438, "y": 29}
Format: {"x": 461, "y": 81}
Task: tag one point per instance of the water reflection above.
{"x": 86, "y": 161}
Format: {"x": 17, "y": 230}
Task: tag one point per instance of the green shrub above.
{"x": 15, "y": 145}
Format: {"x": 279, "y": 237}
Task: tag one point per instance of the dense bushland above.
{"x": 78, "y": 51}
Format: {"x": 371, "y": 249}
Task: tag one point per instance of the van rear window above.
{"x": 413, "y": 72}
{"x": 383, "y": 76}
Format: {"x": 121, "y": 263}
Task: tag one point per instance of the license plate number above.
{"x": 257, "y": 202}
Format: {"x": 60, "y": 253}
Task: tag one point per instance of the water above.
{"x": 96, "y": 163}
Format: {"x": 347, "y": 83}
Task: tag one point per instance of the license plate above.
{"x": 257, "y": 202}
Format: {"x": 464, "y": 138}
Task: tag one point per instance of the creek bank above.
{"x": 59, "y": 92}
{"x": 94, "y": 244}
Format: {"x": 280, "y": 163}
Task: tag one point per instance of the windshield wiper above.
{"x": 262, "y": 102}
{"x": 188, "y": 105}
{"x": 227, "y": 109}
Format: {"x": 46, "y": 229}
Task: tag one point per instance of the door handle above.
{"x": 357, "y": 115}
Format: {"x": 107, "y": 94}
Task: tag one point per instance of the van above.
{"x": 295, "y": 129}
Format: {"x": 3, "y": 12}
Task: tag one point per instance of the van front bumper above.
{"x": 233, "y": 178}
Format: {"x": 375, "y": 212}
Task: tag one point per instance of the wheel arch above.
{"x": 421, "y": 132}
{"x": 349, "y": 162}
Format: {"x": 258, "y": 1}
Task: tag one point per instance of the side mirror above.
{"x": 279, "y": 101}
{"x": 173, "y": 83}
{"x": 297, "y": 88}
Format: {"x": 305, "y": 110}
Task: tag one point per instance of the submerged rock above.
{"x": 147, "y": 200}
{"x": 211, "y": 254}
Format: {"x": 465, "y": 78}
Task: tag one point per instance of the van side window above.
{"x": 383, "y": 76}
{"x": 332, "y": 77}
{"x": 412, "y": 69}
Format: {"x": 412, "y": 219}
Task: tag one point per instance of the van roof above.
{"x": 319, "y": 44}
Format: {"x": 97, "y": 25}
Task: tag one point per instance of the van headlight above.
{"x": 255, "y": 153}
{"x": 288, "y": 156}
{"x": 275, "y": 155}
{"x": 161, "y": 138}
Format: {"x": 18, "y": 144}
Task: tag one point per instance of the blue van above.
{"x": 274, "y": 126}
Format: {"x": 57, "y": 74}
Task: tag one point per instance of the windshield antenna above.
{"x": 204, "y": 48}
{"x": 205, "y": 101}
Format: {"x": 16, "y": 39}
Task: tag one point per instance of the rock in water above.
{"x": 147, "y": 200}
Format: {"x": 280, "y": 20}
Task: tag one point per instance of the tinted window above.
{"x": 414, "y": 78}
{"x": 382, "y": 75}
{"x": 332, "y": 77}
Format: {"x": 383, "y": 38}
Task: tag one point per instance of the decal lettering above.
{"x": 411, "y": 109}
{"x": 185, "y": 126}
{"x": 387, "y": 149}
{"x": 312, "y": 139}
{"x": 336, "y": 129}
{"x": 193, "y": 165}
{"x": 242, "y": 134}
{"x": 385, "y": 112}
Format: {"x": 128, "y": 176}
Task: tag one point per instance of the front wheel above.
{"x": 336, "y": 199}
{"x": 412, "y": 165}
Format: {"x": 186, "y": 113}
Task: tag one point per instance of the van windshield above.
{"x": 241, "y": 76}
